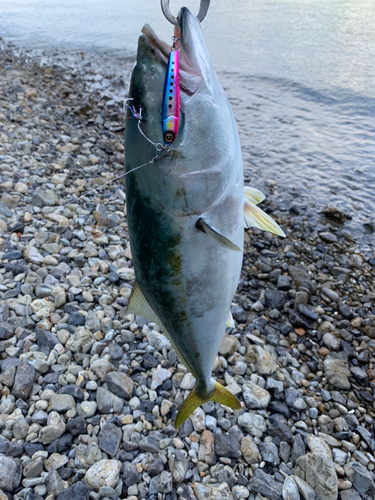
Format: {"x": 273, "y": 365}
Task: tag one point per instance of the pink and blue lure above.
{"x": 171, "y": 99}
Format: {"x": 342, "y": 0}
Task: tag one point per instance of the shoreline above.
{"x": 302, "y": 356}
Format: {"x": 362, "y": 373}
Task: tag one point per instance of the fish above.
{"x": 187, "y": 206}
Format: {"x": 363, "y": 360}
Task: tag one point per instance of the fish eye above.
{"x": 168, "y": 137}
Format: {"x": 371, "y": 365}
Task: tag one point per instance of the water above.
{"x": 300, "y": 76}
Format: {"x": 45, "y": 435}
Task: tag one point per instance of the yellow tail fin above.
{"x": 220, "y": 395}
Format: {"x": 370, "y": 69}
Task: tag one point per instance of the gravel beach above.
{"x": 89, "y": 393}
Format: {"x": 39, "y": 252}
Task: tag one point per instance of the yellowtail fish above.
{"x": 186, "y": 207}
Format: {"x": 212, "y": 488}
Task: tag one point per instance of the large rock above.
{"x": 103, "y": 473}
{"x": 319, "y": 472}
{"x": 263, "y": 360}
{"x": 337, "y": 371}
{"x": 10, "y": 474}
{"x": 255, "y": 397}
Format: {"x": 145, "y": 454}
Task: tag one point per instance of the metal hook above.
{"x": 203, "y": 9}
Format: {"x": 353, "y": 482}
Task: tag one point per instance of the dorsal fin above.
{"x": 202, "y": 225}
{"x": 255, "y": 217}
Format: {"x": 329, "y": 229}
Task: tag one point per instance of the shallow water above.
{"x": 300, "y": 77}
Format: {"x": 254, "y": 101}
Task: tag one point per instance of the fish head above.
{"x": 206, "y": 152}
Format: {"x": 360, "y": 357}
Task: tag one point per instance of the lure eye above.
{"x": 168, "y": 137}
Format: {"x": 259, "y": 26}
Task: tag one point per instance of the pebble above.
{"x": 103, "y": 473}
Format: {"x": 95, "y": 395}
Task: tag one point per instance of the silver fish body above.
{"x": 186, "y": 210}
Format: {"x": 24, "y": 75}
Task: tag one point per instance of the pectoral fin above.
{"x": 202, "y": 225}
{"x": 220, "y": 395}
{"x": 138, "y": 305}
{"x": 253, "y": 195}
{"x": 255, "y": 217}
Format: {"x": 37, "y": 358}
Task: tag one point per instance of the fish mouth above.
{"x": 189, "y": 42}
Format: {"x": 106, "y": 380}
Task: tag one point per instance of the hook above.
{"x": 203, "y": 9}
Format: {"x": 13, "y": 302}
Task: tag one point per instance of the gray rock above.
{"x": 285, "y": 451}
{"x": 226, "y": 446}
{"x": 332, "y": 342}
{"x": 10, "y": 474}
{"x": 110, "y": 439}
{"x": 130, "y": 474}
{"x": 54, "y": 484}
{"x": 103, "y": 473}
{"x": 206, "y": 452}
{"x": 178, "y": 465}
{"x": 23, "y": 381}
{"x": 120, "y": 384}
{"x": 55, "y": 428}
{"x": 101, "y": 368}
{"x": 331, "y": 294}
{"x": 252, "y": 423}
{"x": 269, "y": 453}
{"x": 265, "y": 485}
{"x": 226, "y": 475}
{"x": 263, "y": 360}
{"x": 305, "y": 489}
{"x": 360, "y": 478}
{"x": 255, "y": 397}
{"x": 350, "y": 494}
{"x": 319, "y": 472}
{"x": 77, "y": 491}
{"x": 337, "y": 371}
{"x": 149, "y": 444}
{"x": 328, "y": 237}
{"x": 108, "y": 402}
{"x": 46, "y": 340}
{"x": 165, "y": 483}
{"x": 290, "y": 489}
{"x": 250, "y": 451}
{"x": 61, "y": 403}
{"x": 298, "y": 448}
{"x": 275, "y": 299}
{"x": 34, "y": 468}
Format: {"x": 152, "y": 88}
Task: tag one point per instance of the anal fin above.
{"x": 202, "y": 225}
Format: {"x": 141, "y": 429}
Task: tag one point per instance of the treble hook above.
{"x": 203, "y": 9}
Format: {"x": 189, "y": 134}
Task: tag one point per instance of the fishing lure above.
{"x": 171, "y": 99}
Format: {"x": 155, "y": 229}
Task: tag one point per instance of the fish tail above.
{"x": 220, "y": 395}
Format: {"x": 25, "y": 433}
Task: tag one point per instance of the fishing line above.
{"x": 151, "y": 162}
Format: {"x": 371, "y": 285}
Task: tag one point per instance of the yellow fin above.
{"x": 253, "y": 195}
{"x": 138, "y": 304}
{"x": 255, "y": 217}
{"x": 220, "y": 395}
